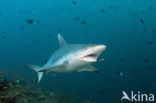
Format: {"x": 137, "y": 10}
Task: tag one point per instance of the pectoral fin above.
{"x": 89, "y": 68}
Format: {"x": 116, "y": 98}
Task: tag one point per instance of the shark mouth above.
{"x": 90, "y": 57}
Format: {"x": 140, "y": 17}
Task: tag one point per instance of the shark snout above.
{"x": 101, "y": 47}
{"x": 93, "y": 52}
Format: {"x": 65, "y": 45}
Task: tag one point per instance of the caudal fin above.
{"x": 36, "y": 69}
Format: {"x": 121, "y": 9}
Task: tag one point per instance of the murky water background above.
{"x": 28, "y": 35}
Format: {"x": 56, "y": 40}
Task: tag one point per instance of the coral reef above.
{"x": 17, "y": 92}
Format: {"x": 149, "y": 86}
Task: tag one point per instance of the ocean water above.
{"x": 28, "y": 35}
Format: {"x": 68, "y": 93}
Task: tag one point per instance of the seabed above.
{"x": 18, "y": 92}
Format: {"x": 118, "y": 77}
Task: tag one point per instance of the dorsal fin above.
{"x": 61, "y": 40}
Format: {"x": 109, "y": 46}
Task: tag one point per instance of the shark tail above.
{"x": 37, "y": 70}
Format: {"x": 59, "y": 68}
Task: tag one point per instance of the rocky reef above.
{"x": 18, "y": 92}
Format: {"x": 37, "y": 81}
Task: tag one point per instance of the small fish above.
{"x": 102, "y": 10}
{"x": 121, "y": 74}
{"x": 142, "y": 21}
{"x": 30, "y": 21}
{"x": 83, "y": 22}
{"x": 74, "y": 2}
{"x": 5, "y": 49}
{"x": 149, "y": 42}
{"x": 49, "y": 36}
{"x": 113, "y": 7}
{"x": 17, "y": 81}
{"x": 38, "y": 21}
{"x": 3, "y": 37}
{"x": 150, "y": 7}
{"x": 78, "y": 93}
{"x": 101, "y": 60}
{"x": 133, "y": 71}
{"x": 146, "y": 60}
{"x": 33, "y": 11}
{"x": 77, "y": 19}
{"x": 153, "y": 31}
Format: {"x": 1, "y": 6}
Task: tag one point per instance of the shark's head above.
{"x": 86, "y": 53}
{"x": 91, "y": 53}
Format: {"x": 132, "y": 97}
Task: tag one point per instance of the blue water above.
{"x": 28, "y": 35}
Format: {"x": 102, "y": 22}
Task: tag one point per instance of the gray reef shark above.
{"x": 70, "y": 58}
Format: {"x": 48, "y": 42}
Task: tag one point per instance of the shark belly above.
{"x": 67, "y": 63}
